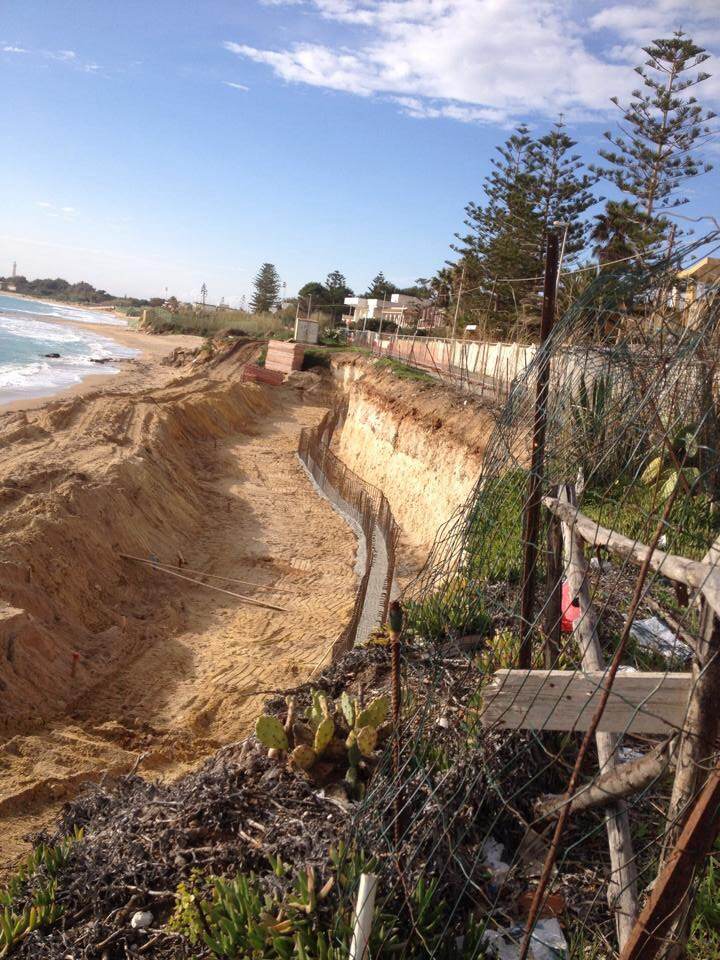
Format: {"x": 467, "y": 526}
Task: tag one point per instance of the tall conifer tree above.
{"x": 656, "y": 147}
{"x": 267, "y": 289}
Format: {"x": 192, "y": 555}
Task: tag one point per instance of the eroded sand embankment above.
{"x": 202, "y": 471}
{"x": 419, "y": 442}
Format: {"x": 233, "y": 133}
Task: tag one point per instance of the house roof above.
{"x": 706, "y": 270}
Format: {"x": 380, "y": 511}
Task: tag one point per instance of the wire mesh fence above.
{"x": 564, "y": 806}
{"x": 368, "y": 509}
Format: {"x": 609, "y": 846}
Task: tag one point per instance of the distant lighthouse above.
{"x": 14, "y": 273}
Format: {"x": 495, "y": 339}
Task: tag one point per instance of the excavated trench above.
{"x": 106, "y": 663}
{"x": 103, "y": 659}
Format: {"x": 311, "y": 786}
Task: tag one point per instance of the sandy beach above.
{"x": 144, "y": 368}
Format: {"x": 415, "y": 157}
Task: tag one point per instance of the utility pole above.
{"x": 457, "y": 304}
{"x": 558, "y": 224}
{"x": 531, "y": 518}
{"x": 381, "y": 312}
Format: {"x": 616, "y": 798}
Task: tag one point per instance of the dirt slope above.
{"x": 201, "y": 470}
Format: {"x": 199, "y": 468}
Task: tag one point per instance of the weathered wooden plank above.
{"x": 567, "y": 700}
{"x": 703, "y": 576}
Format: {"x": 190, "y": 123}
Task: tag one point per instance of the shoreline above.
{"x": 152, "y": 348}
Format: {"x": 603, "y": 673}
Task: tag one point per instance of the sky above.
{"x": 151, "y": 147}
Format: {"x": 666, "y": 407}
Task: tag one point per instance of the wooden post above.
{"x": 669, "y": 897}
{"x": 554, "y": 574}
{"x": 622, "y": 894}
{"x": 698, "y": 746}
{"x": 702, "y": 721}
{"x": 531, "y": 519}
{"x": 700, "y": 731}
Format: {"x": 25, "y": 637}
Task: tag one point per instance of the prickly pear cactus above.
{"x": 374, "y": 714}
{"x": 351, "y": 777}
{"x": 354, "y": 755}
{"x": 348, "y": 708}
{"x": 366, "y": 739}
{"x": 271, "y": 732}
{"x": 319, "y": 709}
{"x": 324, "y": 734}
{"x": 303, "y": 756}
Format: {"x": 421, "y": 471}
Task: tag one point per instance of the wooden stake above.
{"x": 702, "y": 721}
{"x": 668, "y": 900}
{"x": 531, "y": 519}
{"x": 617, "y": 822}
{"x": 554, "y": 573}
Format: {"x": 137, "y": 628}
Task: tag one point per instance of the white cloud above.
{"x": 67, "y": 57}
{"x": 477, "y": 60}
{"x": 236, "y": 86}
{"x": 54, "y": 210}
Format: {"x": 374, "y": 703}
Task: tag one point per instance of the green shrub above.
{"x": 402, "y": 370}
{"x": 456, "y": 609}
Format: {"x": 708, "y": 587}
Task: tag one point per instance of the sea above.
{"x": 26, "y": 337}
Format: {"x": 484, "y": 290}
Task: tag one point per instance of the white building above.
{"x": 401, "y": 309}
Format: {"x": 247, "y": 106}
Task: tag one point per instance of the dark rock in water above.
{"x": 101, "y": 360}
{"x": 52, "y": 356}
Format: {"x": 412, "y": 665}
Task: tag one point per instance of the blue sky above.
{"x": 159, "y": 145}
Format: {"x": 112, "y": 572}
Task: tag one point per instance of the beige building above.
{"x": 695, "y": 281}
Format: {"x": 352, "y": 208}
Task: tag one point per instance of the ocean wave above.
{"x": 42, "y": 378}
{"x": 58, "y": 311}
{"x": 27, "y": 370}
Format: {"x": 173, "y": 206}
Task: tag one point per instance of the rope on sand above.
{"x": 172, "y": 573}
{"x": 212, "y": 576}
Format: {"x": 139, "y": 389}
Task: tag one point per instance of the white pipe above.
{"x": 364, "y": 910}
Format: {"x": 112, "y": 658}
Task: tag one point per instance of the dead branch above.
{"x": 622, "y": 781}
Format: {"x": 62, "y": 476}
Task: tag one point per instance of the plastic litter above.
{"x": 652, "y": 634}
{"x": 547, "y": 942}
{"x": 141, "y": 920}
{"x": 492, "y": 851}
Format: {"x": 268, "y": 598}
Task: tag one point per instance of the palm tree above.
{"x": 620, "y": 231}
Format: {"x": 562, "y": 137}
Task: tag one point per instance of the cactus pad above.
{"x": 348, "y": 708}
{"x": 271, "y": 732}
{"x": 324, "y": 734}
{"x": 303, "y": 756}
{"x": 367, "y": 740}
{"x": 374, "y": 714}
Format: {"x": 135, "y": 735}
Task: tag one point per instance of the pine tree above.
{"x": 267, "y": 289}
{"x": 563, "y": 187}
{"x": 655, "y": 151}
{"x": 380, "y": 288}
{"x": 503, "y": 234}
{"x": 337, "y": 287}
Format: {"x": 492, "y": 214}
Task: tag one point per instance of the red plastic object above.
{"x": 570, "y": 609}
